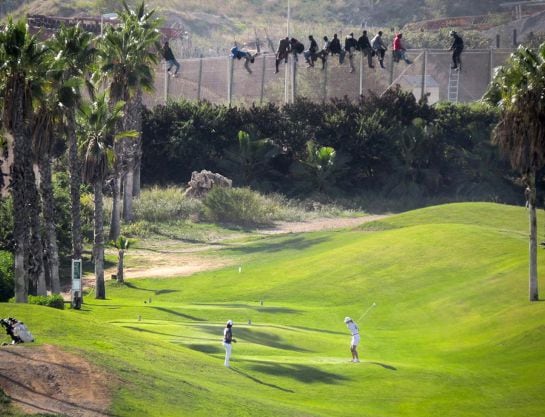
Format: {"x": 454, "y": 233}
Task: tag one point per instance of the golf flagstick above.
{"x": 367, "y": 311}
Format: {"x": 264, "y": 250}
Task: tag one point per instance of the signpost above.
{"x": 77, "y": 294}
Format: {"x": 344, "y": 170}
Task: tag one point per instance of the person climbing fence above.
{"x": 399, "y": 49}
{"x": 456, "y": 48}
{"x": 237, "y": 53}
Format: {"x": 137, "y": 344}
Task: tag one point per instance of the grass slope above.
{"x": 452, "y": 334}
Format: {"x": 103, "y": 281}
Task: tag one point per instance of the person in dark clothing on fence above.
{"x": 296, "y": 47}
{"x": 310, "y": 54}
{"x": 335, "y": 48}
{"x": 456, "y": 48}
{"x": 365, "y": 48}
{"x": 350, "y": 46}
{"x": 170, "y": 60}
{"x": 378, "y": 45}
{"x": 283, "y": 51}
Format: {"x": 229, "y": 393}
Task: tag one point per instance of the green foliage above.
{"x": 390, "y": 146}
{"x": 55, "y": 300}
{"x": 240, "y": 206}
{"x": 7, "y": 284}
{"x": 165, "y": 204}
{"x": 6, "y": 223}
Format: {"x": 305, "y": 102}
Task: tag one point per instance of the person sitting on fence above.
{"x": 324, "y": 52}
{"x": 350, "y": 46}
{"x": 310, "y": 54}
{"x": 170, "y": 60}
{"x": 283, "y": 51}
{"x": 399, "y": 49}
{"x": 296, "y": 48}
{"x": 365, "y": 48}
{"x": 377, "y": 43}
{"x": 239, "y": 54}
{"x": 335, "y": 48}
{"x": 456, "y": 48}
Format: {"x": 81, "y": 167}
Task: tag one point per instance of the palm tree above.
{"x": 74, "y": 54}
{"x": 518, "y": 89}
{"x": 98, "y": 121}
{"x": 121, "y": 244}
{"x": 128, "y": 54}
{"x": 21, "y": 74}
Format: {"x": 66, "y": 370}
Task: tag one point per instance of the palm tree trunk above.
{"x": 21, "y": 154}
{"x": 98, "y": 250}
{"x": 50, "y": 236}
{"x": 36, "y": 255}
{"x": 128, "y": 185}
{"x": 120, "y": 277}
{"x": 131, "y": 148}
{"x": 137, "y": 169}
{"x": 75, "y": 184}
{"x": 115, "y": 227}
{"x": 534, "y": 296}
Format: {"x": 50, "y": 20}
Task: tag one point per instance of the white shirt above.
{"x": 353, "y": 327}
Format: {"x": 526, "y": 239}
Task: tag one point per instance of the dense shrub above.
{"x": 240, "y": 206}
{"x": 55, "y": 300}
{"x": 391, "y": 146}
{"x": 165, "y": 204}
{"x": 6, "y": 224}
{"x": 6, "y": 276}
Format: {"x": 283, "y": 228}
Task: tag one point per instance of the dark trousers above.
{"x": 457, "y": 58}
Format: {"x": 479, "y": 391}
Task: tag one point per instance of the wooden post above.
{"x": 200, "y": 80}
{"x": 262, "y": 81}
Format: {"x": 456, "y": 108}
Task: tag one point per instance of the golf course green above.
{"x": 452, "y": 333}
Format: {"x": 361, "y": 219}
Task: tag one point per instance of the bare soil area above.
{"x": 44, "y": 379}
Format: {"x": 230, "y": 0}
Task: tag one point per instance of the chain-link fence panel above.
{"x": 223, "y": 80}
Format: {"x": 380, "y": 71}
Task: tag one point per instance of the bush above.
{"x": 55, "y": 300}
{"x": 240, "y": 206}
{"x": 165, "y": 204}
{"x": 7, "y": 285}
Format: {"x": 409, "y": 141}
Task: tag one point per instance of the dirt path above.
{"x": 44, "y": 379}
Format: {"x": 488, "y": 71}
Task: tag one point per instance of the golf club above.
{"x": 367, "y": 311}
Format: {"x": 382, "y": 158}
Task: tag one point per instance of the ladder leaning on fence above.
{"x": 453, "y": 85}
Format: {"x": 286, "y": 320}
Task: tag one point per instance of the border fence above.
{"x": 223, "y": 80}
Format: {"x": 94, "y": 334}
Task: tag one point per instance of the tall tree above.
{"x": 518, "y": 89}
{"x": 21, "y": 72}
{"x": 74, "y": 54}
{"x": 128, "y": 55}
{"x": 98, "y": 121}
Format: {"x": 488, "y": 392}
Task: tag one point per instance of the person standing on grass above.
{"x": 353, "y": 327}
{"x": 227, "y": 342}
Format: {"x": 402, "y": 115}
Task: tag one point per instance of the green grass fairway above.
{"x": 453, "y": 333}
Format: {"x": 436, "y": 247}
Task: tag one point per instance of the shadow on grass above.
{"x": 253, "y": 336}
{"x": 177, "y": 313}
{"x": 253, "y": 378}
{"x": 294, "y": 243}
{"x": 132, "y": 286}
{"x": 302, "y": 373}
{"x": 141, "y": 330}
{"x": 384, "y": 365}
{"x": 258, "y": 308}
{"x": 205, "y": 348}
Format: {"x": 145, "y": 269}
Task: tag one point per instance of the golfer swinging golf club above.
{"x": 227, "y": 340}
{"x": 353, "y": 327}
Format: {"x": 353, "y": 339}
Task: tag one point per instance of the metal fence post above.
{"x": 230, "y": 66}
{"x": 490, "y": 65}
{"x": 361, "y": 73}
{"x": 200, "y": 80}
{"x": 324, "y": 91}
{"x": 392, "y": 63}
{"x": 498, "y": 41}
{"x": 424, "y": 64}
{"x": 262, "y": 80}
{"x": 293, "y": 80}
{"x": 167, "y": 80}
{"x": 287, "y": 66}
